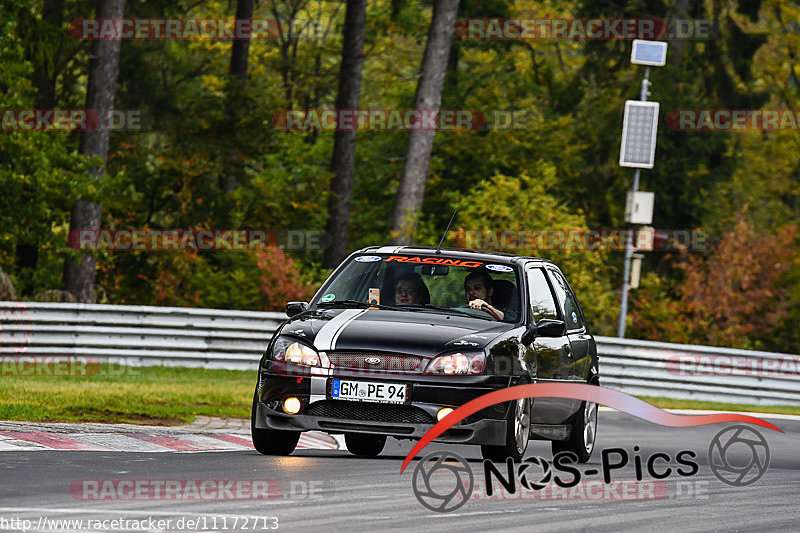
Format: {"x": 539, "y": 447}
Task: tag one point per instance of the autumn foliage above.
{"x": 280, "y": 280}
{"x": 257, "y": 280}
{"x": 735, "y": 296}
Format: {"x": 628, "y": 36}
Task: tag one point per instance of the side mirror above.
{"x": 546, "y": 327}
{"x": 551, "y": 328}
{"x": 295, "y": 308}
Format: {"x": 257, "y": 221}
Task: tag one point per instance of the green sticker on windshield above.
{"x": 328, "y": 298}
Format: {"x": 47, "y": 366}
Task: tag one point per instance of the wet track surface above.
{"x": 331, "y": 489}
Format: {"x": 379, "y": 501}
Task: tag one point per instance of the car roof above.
{"x": 461, "y": 253}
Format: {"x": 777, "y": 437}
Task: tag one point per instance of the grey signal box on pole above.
{"x": 639, "y": 207}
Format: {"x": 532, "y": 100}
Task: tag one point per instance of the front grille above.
{"x": 383, "y": 362}
{"x": 373, "y": 412}
{"x": 366, "y": 427}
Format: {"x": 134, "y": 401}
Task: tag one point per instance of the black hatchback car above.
{"x": 398, "y": 337}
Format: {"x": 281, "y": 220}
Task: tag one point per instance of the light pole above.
{"x": 639, "y": 131}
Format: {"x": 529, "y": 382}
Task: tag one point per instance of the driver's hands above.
{"x": 477, "y": 303}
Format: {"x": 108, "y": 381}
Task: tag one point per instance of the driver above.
{"x": 479, "y": 287}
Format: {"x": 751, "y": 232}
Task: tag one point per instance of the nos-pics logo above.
{"x": 443, "y": 481}
{"x": 440, "y": 485}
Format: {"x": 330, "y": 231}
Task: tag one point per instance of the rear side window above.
{"x": 542, "y": 303}
{"x": 572, "y": 313}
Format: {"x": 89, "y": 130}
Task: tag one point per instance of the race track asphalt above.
{"x": 330, "y": 490}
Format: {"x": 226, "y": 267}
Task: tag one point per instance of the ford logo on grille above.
{"x": 372, "y": 360}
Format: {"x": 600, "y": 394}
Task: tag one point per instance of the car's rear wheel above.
{"x": 271, "y": 441}
{"x": 518, "y": 429}
{"x": 584, "y": 434}
{"x": 364, "y": 445}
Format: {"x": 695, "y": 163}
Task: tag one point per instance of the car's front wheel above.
{"x": 584, "y": 434}
{"x": 518, "y": 430}
{"x": 364, "y": 445}
{"x": 271, "y": 441}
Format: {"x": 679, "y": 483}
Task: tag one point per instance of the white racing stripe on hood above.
{"x": 326, "y": 338}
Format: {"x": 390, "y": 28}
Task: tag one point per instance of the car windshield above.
{"x": 436, "y": 284}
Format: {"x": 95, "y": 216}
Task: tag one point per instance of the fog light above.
{"x": 291, "y": 405}
{"x": 443, "y": 412}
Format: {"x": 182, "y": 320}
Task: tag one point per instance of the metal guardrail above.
{"x": 214, "y": 338}
{"x": 137, "y": 335}
{"x": 693, "y": 372}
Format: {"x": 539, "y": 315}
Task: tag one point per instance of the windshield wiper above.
{"x": 451, "y": 310}
{"x": 356, "y": 303}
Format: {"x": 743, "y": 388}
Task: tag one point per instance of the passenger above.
{"x": 411, "y": 290}
{"x": 479, "y": 287}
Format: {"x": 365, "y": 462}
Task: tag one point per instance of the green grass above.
{"x": 142, "y": 395}
{"x": 172, "y": 396}
{"x": 669, "y": 403}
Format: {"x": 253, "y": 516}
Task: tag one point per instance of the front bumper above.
{"x": 411, "y": 421}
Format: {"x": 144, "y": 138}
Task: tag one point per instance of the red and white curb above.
{"x": 147, "y": 441}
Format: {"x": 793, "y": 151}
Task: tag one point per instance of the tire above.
{"x": 364, "y": 445}
{"x": 518, "y": 429}
{"x": 584, "y": 434}
{"x": 271, "y": 441}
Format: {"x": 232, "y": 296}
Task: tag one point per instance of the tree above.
{"x": 79, "y": 273}
{"x": 524, "y": 202}
{"x": 241, "y": 47}
{"x": 44, "y": 50}
{"x": 344, "y": 141}
{"x": 236, "y": 95}
{"x": 420, "y": 141}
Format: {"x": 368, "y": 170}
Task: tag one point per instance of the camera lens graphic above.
{"x": 738, "y": 455}
{"x": 443, "y": 481}
{"x": 542, "y": 480}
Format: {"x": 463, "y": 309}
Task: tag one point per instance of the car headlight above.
{"x": 294, "y": 352}
{"x": 458, "y": 364}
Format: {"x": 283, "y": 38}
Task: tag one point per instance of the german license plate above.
{"x": 368, "y": 391}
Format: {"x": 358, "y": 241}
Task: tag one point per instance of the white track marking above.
{"x": 122, "y": 442}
